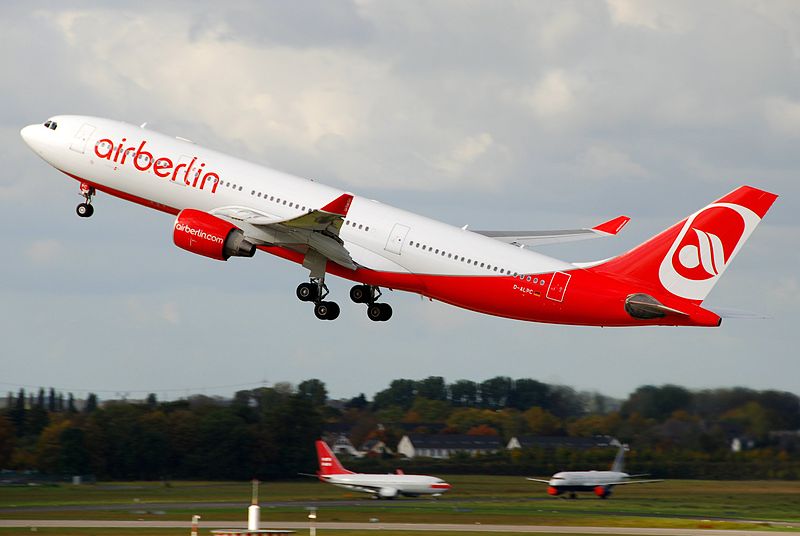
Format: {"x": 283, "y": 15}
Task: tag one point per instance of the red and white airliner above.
{"x": 229, "y": 207}
{"x": 382, "y": 486}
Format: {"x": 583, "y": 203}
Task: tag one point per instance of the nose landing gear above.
{"x": 85, "y": 210}
{"x": 377, "y": 312}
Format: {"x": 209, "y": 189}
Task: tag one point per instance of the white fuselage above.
{"x": 390, "y": 484}
{"x": 587, "y": 479}
{"x": 378, "y": 236}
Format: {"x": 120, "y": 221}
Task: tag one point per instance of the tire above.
{"x": 333, "y": 311}
{"x": 360, "y": 293}
{"x": 84, "y": 210}
{"x": 306, "y": 292}
{"x": 386, "y": 311}
{"x": 375, "y": 312}
{"x": 321, "y": 310}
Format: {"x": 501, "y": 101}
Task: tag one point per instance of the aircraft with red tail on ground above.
{"x": 382, "y": 486}
{"x": 227, "y": 207}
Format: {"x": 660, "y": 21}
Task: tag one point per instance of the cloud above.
{"x": 552, "y": 96}
{"x": 652, "y": 14}
{"x": 783, "y": 115}
{"x": 603, "y": 161}
{"x": 44, "y": 251}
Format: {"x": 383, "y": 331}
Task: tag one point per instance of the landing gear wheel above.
{"x": 375, "y": 312}
{"x": 307, "y": 292}
{"x": 361, "y": 294}
{"x": 85, "y": 210}
{"x": 379, "y": 312}
{"x": 326, "y": 310}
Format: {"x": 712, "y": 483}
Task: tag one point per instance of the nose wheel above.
{"x": 85, "y": 210}
{"x": 316, "y": 291}
{"x": 377, "y": 312}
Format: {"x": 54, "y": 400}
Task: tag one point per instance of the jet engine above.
{"x": 387, "y": 493}
{"x": 207, "y": 235}
{"x": 553, "y": 491}
{"x": 602, "y": 491}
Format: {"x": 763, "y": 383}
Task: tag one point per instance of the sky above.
{"x": 528, "y": 115}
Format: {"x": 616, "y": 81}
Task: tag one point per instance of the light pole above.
{"x": 312, "y": 518}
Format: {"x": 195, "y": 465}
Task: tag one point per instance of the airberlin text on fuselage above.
{"x": 163, "y": 166}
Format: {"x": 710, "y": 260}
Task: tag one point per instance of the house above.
{"x": 445, "y": 445}
{"x": 374, "y": 447}
{"x": 554, "y": 442}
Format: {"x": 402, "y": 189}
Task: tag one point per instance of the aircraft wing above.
{"x": 539, "y": 238}
{"x": 538, "y": 480}
{"x": 317, "y": 230}
{"x": 634, "y": 482}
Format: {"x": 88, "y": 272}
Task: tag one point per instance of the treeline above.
{"x": 266, "y": 433}
{"x": 269, "y": 432}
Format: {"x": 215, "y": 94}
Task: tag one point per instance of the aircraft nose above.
{"x": 31, "y": 134}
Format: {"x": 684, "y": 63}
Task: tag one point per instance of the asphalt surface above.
{"x": 445, "y": 527}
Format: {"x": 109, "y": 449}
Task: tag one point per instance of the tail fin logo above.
{"x": 703, "y": 248}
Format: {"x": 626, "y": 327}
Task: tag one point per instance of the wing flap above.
{"x": 317, "y": 229}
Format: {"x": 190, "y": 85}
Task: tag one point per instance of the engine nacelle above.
{"x": 387, "y": 493}
{"x": 551, "y": 490}
{"x": 602, "y": 491}
{"x": 207, "y": 235}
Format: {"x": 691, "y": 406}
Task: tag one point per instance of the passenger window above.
{"x": 528, "y": 278}
{"x": 449, "y": 255}
{"x": 437, "y": 251}
{"x": 482, "y": 264}
{"x": 360, "y": 226}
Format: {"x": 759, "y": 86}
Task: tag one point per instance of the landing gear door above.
{"x": 397, "y": 238}
{"x": 558, "y": 286}
{"x": 81, "y": 137}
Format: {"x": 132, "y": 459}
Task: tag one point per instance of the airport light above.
{"x": 312, "y": 518}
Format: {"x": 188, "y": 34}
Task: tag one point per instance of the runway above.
{"x": 409, "y": 527}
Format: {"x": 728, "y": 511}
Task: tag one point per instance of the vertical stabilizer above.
{"x": 688, "y": 259}
{"x": 328, "y": 462}
{"x": 619, "y": 459}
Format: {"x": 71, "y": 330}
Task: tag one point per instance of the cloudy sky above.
{"x": 496, "y": 114}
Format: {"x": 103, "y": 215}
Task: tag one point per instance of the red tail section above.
{"x": 328, "y": 463}
{"x": 688, "y": 258}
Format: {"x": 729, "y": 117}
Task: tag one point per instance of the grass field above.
{"x": 474, "y": 499}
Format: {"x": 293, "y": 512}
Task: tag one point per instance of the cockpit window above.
{"x": 52, "y": 125}
{"x": 47, "y": 124}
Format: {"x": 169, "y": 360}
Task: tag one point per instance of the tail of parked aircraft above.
{"x": 328, "y": 462}
{"x": 688, "y": 259}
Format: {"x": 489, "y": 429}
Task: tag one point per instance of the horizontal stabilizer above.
{"x": 538, "y": 480}
{"x": 726, "y": 312}
{"x": 556, "y": 236}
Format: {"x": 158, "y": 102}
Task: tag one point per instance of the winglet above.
{"x": 612, "y": 227}
{"x": 339, "y": 206}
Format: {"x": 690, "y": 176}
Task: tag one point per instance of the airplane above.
{"x": 382, "y": 486}
{"x": 600, "y": 483}
{"x": 227, "y": 207}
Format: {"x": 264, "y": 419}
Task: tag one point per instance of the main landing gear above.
{"x": 377, "y": 312}
{"x": 85, "y": 210}
{"x": 316, "y": 291}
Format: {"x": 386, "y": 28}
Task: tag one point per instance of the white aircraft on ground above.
{"x": 227, "y": 207}
{"x": 598, "y": 482}
{"x": 382, "y": 486}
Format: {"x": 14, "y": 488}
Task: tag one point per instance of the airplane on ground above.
{"x": 599, "y": 482}
{"x": 382, "y": 486}
{"x": 228, "y": 207}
